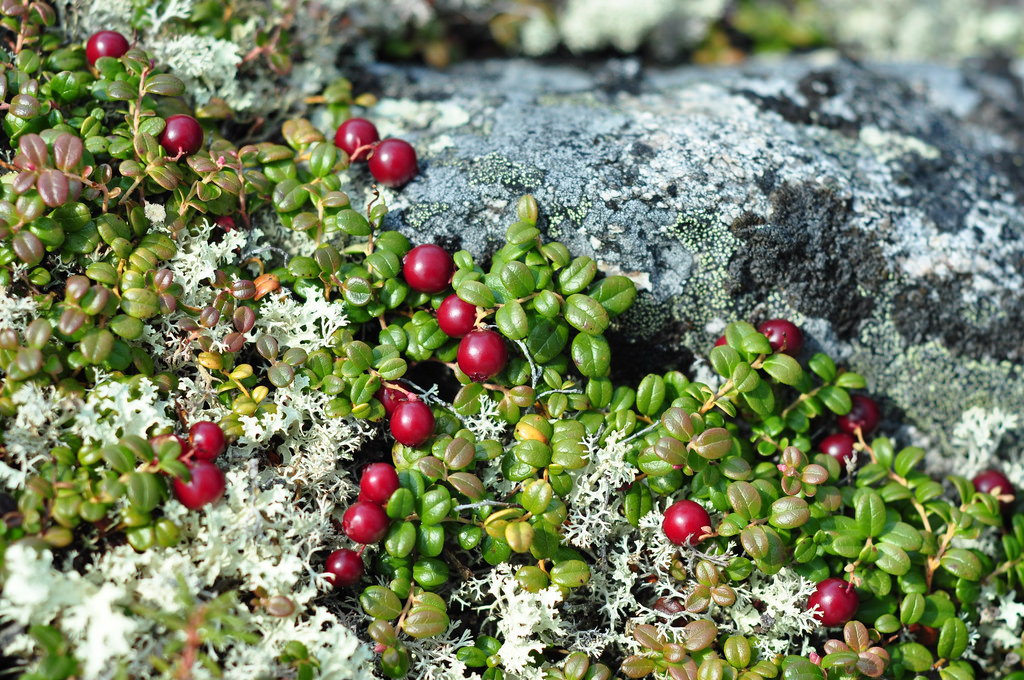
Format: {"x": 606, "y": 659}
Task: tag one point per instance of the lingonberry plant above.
{"x": 519, "y": 513}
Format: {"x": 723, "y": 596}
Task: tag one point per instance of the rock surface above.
{"x": 879, "y": 207}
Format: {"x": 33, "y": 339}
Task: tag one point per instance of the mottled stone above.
{"x": 877, "y": 206}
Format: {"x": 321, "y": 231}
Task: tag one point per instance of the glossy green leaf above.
{"x": 591, "y": 354}
{"x": 379, "y": 602}
{"x": 570, "y": 574}
{"x": 963, "y": 563}
{"x": 615, "y": 293}
{"x": 585, "y": 314}
{"x": 783, "y": 368}
{"x": 789, "y": 512}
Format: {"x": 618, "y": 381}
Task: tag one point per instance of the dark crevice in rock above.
{"x": 805, "y": 251}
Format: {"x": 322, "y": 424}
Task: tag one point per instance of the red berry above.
{"x": 207, "y": 439}
{"x": 995, "y": 483}
{"x": 684, "y": 522}
{"x": 482, "y": 354}
{"x": 378, "y": 482}
{"x": 456, "y": 317}
{"x": 365, "y": 522}
{"x": 344, "y": 568}
{"x": 183, "y": 135}
{"x": 836, "y": 600}
{"x": 839, "y": 446}
{"x": 389, "y": 397}
{"x": 105, "y": 44}
{"x": 393, "y": 162}
{"x": 783, "y": 336}
{"x": 412, "y": 423}
{"x": 863, "y": 413}
{"x": 225, "y": 222}
{"x": 355, "y": 133}
{"x": 721, "y": 341}
{"x": 156, "y": 441}
{"x": 206, "y": 485}
{"x": 428, "y": 268}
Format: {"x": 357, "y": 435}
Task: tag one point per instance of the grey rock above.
{"x": 878, "y": 206}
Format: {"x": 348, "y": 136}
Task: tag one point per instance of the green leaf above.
{"x": 517, "y": 278}
{"x": 512, "y": 320}
{"x": 615, "y": 293}
{"x": 789, "y": 512}
{"x": 907, "y": 460}
{"x": 761, "y": 399}
{"x": 912, "y": 608}
{"x": 380, "y": 603}
{"x": 476, "y": 293}
{"x": 585, "y": 314}
{"x": 756, "y": 343}
{"x": 678, "y": 423}
{"x": 637, "y": 503}
{"x": 650, "y": 395}
{"x": 847, "y": 545}
{"x": 435, "y": 504}
{"x": 963, "y": 670}
{"x": 713, "y": 443}
{"x": 892, "y": 559}
{"x": 836, "y": 399}
{"x": 145, "y": 490}
{"x": 423, "y": 622}
{"x": 745, "y": 500}
{"x": 902, "y": 535}
{"x": 823, "y": 366}
{"x": 851, "y": 381}
{"x": 400, "y": 539}
{"x": 869, "y": 511}
{"x": 547, "y": 339}
{"x": 289, "y": 195}
{"x": 592, "y": 355}
{"x": 914, "y": 656}
{"x": 401, "y": 504}
{"x": 165, "y": 84}
{"x": 577, "y": 275}
{"x": 140, "y": 303}
{"x": 724, "y": 360}
{"x": 570, "y": 574}
{"x": 744, "y": 378}
{"x": 952, "y": 639}
{"x": 801, "y": 669}
{"x": 783, "y": 368}
{"x": 963, "y": 563}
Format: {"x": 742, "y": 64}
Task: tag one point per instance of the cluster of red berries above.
{"x": 392, "y": 162}
{"x": 482, "y": 352}
{"x": 206, "y": 483}
{"x": 182, "y": 135}
{"x": 364, "y": 522}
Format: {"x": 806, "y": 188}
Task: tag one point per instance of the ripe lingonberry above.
{"x": 836, "y": 600}
{"x": 389, "y": 397}
{"x": 839, "y": 446}
{"x": 344, "y": 568}
{"x": 365, "y": 522}
{"x": 393, "y": 162}
{"x": 105, "y": 44}
{"x": 225, "y": 222}
{"x": 783, "y": 336}
{"x": 205, "y": 486}
{"x": 864, "y": 414}
{"x": 353, "y": 134}
{"x": 684, "y": 522}
{"x": 183, "y": 135}
{"x": 378, "y": 482}
{"x": 995, "y": 483}
{"x": 412, "y": 423}
{"x": 721, "y": 341}
{"x": 482, "y": 354}
{"x": 207, "y": 439}
{"x": 428, "y": 268}
{"x": 455, "y": 316}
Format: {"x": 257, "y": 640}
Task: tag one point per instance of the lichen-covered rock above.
{"x": 878, "y": 207}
